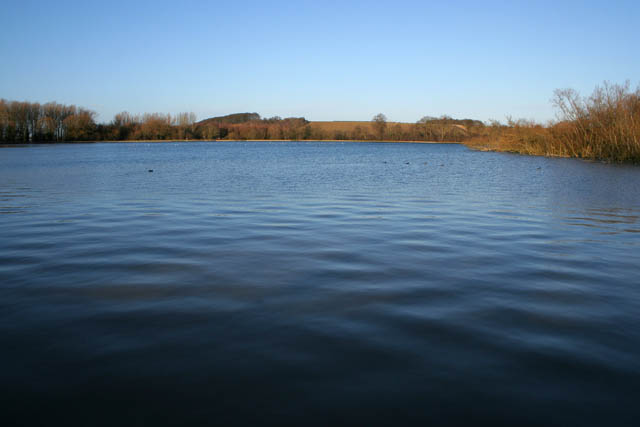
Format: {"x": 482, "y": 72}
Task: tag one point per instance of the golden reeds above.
{"x": 604, "y": 126}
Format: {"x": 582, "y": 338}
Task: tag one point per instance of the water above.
{"x": 316, "y": 283}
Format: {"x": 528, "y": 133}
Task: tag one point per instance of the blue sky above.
{"x": 322, "y": 60}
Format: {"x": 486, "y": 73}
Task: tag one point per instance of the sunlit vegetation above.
{"x": 253, "y": 128}
{"x": 427, "y": 129}
{"x": 603, "y": 126}
{"x": 24, "y": 122}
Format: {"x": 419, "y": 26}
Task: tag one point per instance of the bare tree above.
{"x": 379, "y": 124}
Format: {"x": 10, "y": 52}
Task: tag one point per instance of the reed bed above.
{"x": 604, "y": 126}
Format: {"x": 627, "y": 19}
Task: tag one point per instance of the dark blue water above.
{"x": 316, "y": 283}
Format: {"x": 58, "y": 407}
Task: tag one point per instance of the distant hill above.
{"x": 231, "y": 119}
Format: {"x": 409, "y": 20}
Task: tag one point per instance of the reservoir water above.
{"x": 316, "y": 283}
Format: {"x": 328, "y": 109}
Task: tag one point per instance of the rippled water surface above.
{"x": 316, "y": 283}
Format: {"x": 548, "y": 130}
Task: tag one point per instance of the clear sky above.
{"x": 324, "y": 60}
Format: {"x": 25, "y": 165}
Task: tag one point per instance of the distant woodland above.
{"x": 603, "y": 126}
{"x": 25, "y": 122}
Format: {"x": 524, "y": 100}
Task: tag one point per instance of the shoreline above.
{"x": 548, "y": 156}
{"x": 228, "y": 140}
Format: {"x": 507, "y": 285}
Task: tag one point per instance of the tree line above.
{"x": 27, "y": 122}
{"x": 23, "y": 122}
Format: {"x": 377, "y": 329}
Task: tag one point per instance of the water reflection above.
{"x": 610, "y": 221}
